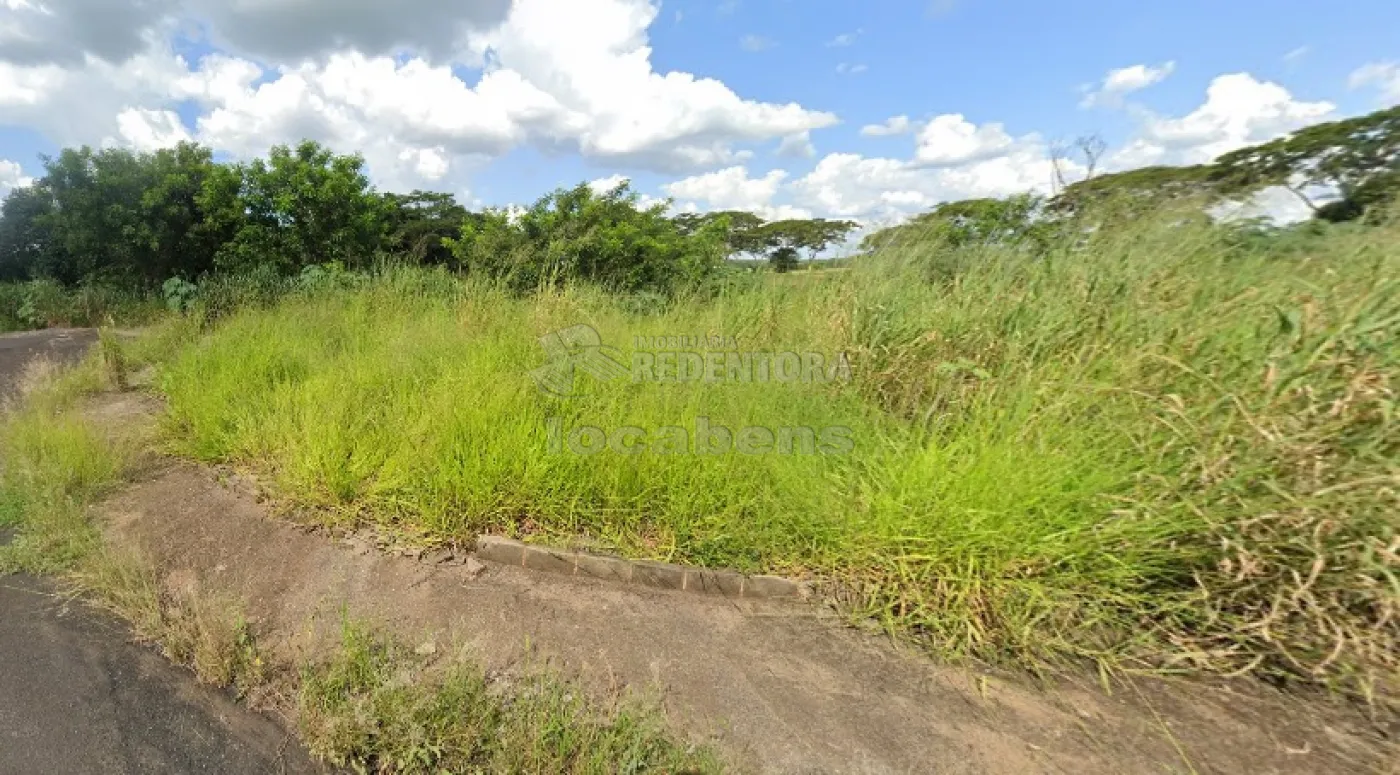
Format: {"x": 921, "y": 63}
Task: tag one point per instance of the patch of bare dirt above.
{"x": 780, "y": 687}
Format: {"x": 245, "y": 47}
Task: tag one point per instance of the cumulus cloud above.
{"x": 981, "y": 161}
{"x": 574, "y": 77}
{"x": 1382, "y": 76}
{"x": 12, "y": 177}
{"x": 733, "y": 189}
{"x": 797, "y": 146}
{"x": 1239, "y": 110}
{"x": 290, "y": 30}
{"x": 68, "y": 32}
{"x": 149, "y": 130}
{"x": 851, "y": 68}
{"x": 895, "y": 125}
{"x": 951, "y": 140}
{"x": 1124, "y": 81}
{"x": 80, "y": 103}
{"x": 607, "y": 184}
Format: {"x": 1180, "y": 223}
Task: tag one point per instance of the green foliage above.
{"x": 1359, "y": 157}
{"x": 1005, "y": 222}
{"x": 420, "y": 223}
{"x": 179, "y": 294}
{"x": 579, "y": 235}
{"x": 301, "y": 206}
{"x": 1136, "y": 193}
{"x": 374, "y": 706}
{"x": 784, "y": 259}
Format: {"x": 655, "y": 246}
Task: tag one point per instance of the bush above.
{"x": 578, "y": 235}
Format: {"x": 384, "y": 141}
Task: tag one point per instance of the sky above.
{"x": 872, "y": 111}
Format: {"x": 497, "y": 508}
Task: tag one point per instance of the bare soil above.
{"x": 779, "y": 687}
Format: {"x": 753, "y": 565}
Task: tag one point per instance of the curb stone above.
{"x": 661, "y": 575}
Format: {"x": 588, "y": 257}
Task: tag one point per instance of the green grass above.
{"x": 356, "y": 710}
{"x": 370, "y": 705}
{"x": 1165, "y": 447}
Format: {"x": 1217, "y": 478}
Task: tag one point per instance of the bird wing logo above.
{"x": 574, "y": 350}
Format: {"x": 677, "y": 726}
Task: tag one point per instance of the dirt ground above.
{"x": 779, "y": 687}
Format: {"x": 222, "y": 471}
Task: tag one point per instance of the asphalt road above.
{"x": 76, "y": 696}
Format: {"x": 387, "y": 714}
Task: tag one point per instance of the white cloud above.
{"x": 149, "y": 130}
{"x": 951, "y": 140}
{"x": 1297, "y": 55}
{"x": 1124, "y": 81}
{"x": 12, "y": 177}
{"x": 844, "y": 39}
{"x": 571, "y": 77}
{"x": 1239, "y": 110}
{"x": 1383, "y": 76}
{"x": 79, "y": 103}
{"x": 756, "y": 43}
{"x": 849, "y": 68}
{"x": 797, "y": 146}
{"x": 733, "y": 189}
{"x": 604, "y": 185}
{"x": 895, "y": 125}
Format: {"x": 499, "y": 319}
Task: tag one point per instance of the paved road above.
{"x": 77, "y": 697}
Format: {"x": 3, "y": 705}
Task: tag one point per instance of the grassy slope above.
{"x": 1169, "y": 444}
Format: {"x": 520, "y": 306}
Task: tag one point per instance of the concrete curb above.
{"x": 651, "y": 574}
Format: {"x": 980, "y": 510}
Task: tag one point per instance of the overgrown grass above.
{"x": 45, "y": 303}
{"x": 1162, "y": 445}
{"x": 357, "y": 710}
{"x": 370, "y": 704}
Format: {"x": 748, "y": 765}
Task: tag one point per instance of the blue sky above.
{"x": 692, "y": 99}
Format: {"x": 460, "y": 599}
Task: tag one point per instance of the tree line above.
{"x": 136, "y": 220}
{"x": 1355, "y": 162}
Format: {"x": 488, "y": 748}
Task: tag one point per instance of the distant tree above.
{"x": 1137, "y": 191}
{"x": 784, "y": 259}
{"x": 814, "y": 235}
{"x": 581, "y": 235}
{"x": 742, "y": 230}
{"x": 1359, "y": 158}
{"x": 418, "y": 223}
{"x": 967, "y": 222}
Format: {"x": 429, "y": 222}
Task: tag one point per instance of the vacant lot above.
{"x": 1160, "y": 445}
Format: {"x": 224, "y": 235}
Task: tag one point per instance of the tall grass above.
{"x": 1159, "y": 444}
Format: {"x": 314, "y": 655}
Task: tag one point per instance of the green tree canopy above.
{"x": 1358, "y": 157}
{"x": 301, "y": 206}
{"x": 579, "y": 234}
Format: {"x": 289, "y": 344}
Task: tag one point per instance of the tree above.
{"x": 813, "y": 236}
{"x": 1359, "y": 158}
{"x": 784, "y": 259}
{"x": 578, "y": 234}
{"x": 967, "y": 222}
{"x": 419, "y": 223}
{"x": 1137, "y": 191}
{"x": 742, "y": 230}
{"x": 27, "y": 248}
{"x": 301, "y": 206}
